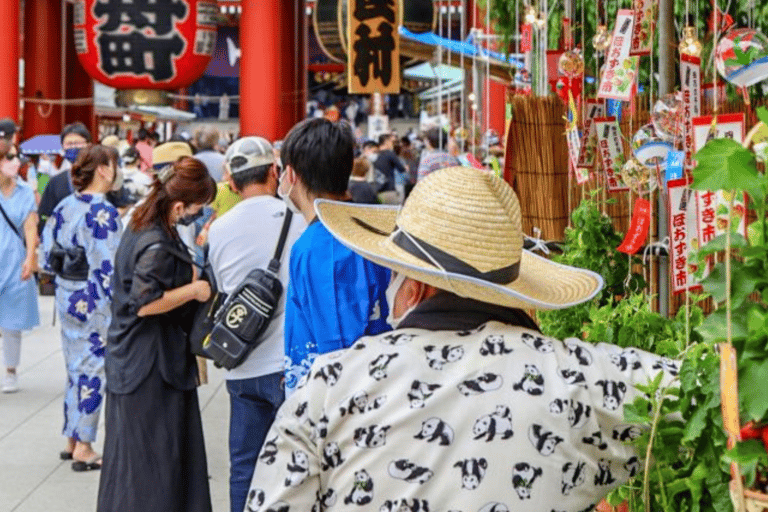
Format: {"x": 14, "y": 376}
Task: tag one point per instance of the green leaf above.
{"x": 695, "y": 425}
{"x": 724, "y": 164}
{"x": 762, "y": 114}
{"x": 753, "y": 394}
{"x": 747, "y": 454}
{"x": 713, "y": 328}
{"x": 717, "y": 244}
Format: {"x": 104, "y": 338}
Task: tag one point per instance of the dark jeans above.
{"x": 253, "y": 406}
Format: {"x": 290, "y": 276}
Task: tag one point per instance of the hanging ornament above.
{"x": 638, "y": 177}
{"x": 541, "y": 20}
{"x": 602, "y": 38}
{"x": 667, "y": 116}
{"x": 690, "y": 44}
{"x": 571, "y": 64}
{"x": 649, "y": 148}
{"x": 531, "y": 16}
{"x": 741, "y": 57}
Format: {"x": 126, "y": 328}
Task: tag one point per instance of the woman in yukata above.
{"x": 18, "y": 241}
{"x": 88, "y": 228}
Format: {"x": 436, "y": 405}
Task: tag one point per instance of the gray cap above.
{"x": 7, "y": 128}
{"x": 249, "y": 152}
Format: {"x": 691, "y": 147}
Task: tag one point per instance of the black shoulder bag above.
{"x": 240, "y": 323}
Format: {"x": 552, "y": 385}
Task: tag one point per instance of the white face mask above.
{"x": 390, "y": 294}
{"x": 286, "y": 196}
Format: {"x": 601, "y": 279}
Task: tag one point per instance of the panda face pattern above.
{"x": 596, "y": 440}
{"x": 280, "y": 506}
{"x": 574, "y": 474}
{"x": 420, "y": 392}
{"x": 558, "y": 406}
{"x": 372, "y": 436}
{"x": 626, "y": 433}
{"x": 356, "y": 403}
{"x": 629, "y": 359}
{"x": 543, "y": 440}
{"x": 604, "y": 475}
{"x": 298, "y": 468}
{"x": 578, "y": 414}
{"x": 405, "y": 505}
{"x": 577, "y": 350}
{"x": 378, "y": 367}
{"x": 632, "y": 466}
{"x": 613, "y": 393}
{"x": 397, "y": 338}
{"x": 472, "y": 472}
{"x": 255, "y": 500}
{"x": 329, "y": 373}
{"x": 319, "y": 429}
{"x": 269, "y": 451}
{"x": 532, "y": 381}
{"x": 572, "y": 376}
{"x": 668, "y": 365}
{"x": 437, "y": 357}
{"x": 403, "y": 469}
{"x": 331, "y": 456}
{"x": 362, "y": 489}
{"x": 538, "y": 343}
{"x": 480, "y": 384}
{"x": 435, "y": 430}
{"x": 494, "y": 506}
{"x": 496, "y": 424}
{"x": 523, "y": 477}
{"x": 325, "y": 500}
{"x": 494, "y": 345}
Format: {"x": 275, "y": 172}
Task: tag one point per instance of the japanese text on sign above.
{"x": 611, "y": 152}
{"x": 618, "y": 80}
{"x": 644, "y": 26}
{"x": 374, "y": 46}
{"x": 139, "y": 38}
{"x": 690, "y": 77}
{"x": 683, "y": 242}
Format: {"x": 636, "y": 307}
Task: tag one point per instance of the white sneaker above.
{"x": 10, "y": 383}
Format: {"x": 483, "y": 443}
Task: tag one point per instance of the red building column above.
{"x": 42, "y": 73}
{"x": 78, "y": 83}
{"x": 9, "y": 60}
{"x": 271, "y": 67}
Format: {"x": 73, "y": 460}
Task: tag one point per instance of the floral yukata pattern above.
{"x": 88, "y": 221}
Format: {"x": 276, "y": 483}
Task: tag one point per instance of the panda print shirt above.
{"x": 496, "y": 419}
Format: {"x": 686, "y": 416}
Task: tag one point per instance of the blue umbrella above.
{"x": 41, "y": 144}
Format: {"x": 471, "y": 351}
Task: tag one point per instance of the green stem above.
{"x": 648, "y": 452}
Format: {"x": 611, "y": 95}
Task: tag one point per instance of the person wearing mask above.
{"x": 74, "y": 137}
{"x": 144, "y": 145}
{"x": 206, "y": 140}
{"x": 18, "y": 239}
{"x": 359, "y": 189}
{"x": 154, "y": 453}
{"x": 334, "y": 295}
{"x": 255, "y": 386}
{"x": 465, "y": 405}
{"x": 436, "y": 153}
{"x": 386, "y": 164}
{"x": 86, "y": 222}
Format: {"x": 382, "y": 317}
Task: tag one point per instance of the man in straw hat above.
{"x": 465, "y": 405}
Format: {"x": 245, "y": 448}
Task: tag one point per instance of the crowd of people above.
{"x": 399, "y": 371}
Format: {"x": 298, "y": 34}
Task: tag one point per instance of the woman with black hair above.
{"x": 80, "y": 240}
{"x": 154, "y": 449}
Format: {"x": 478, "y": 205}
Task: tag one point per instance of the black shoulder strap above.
{"x": 8, "y": 220}
{"x": 274, "y": 265}
{"x": 170, "y": 249}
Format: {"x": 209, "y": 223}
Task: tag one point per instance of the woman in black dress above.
{"x": 153, "y": 450}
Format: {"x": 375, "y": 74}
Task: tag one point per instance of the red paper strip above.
{"x": 526, "y": 38}
{"x": 638, "y": 228}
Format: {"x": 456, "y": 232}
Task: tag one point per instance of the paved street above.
{"x": 32, "y": 478}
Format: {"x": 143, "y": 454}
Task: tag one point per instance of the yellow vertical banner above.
{"x": 373, "y": 63}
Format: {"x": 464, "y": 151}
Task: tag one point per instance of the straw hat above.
{"x": 169, "y": 152}
{"x": 467, "y": 222}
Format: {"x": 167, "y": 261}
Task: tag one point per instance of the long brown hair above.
{"x": 88, "y": 160}
{"x": 189, "y": 183}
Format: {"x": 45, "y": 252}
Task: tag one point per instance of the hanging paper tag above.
{"x": 675, "y": 165}
{"x": 644, "y": 26}
{"x": 620, "y": 68}
{"x": 567, "y": 34}
{"x": 611, "y": 151}
{"x": 615, "y": 108}
{"x": 690, "y": 78}
{"x": 595, "y": 109}
{"x": 526, "y": 38}
{"x": 574, "y": 145}
{"x": 682, "y": 237}
{"x": 729, "y": 126}
{"x": 638, "y": 228}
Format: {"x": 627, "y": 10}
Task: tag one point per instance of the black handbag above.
{"x": 68, "y": 263}
{"x": 241, "y": 322}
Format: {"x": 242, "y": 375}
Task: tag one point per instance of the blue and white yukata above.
{"x": 91, "y": 222}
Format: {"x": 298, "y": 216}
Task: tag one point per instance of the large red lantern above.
{"x": 145, "y": 44}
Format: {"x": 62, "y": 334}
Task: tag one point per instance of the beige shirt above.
{"x": 495, "y": 419}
